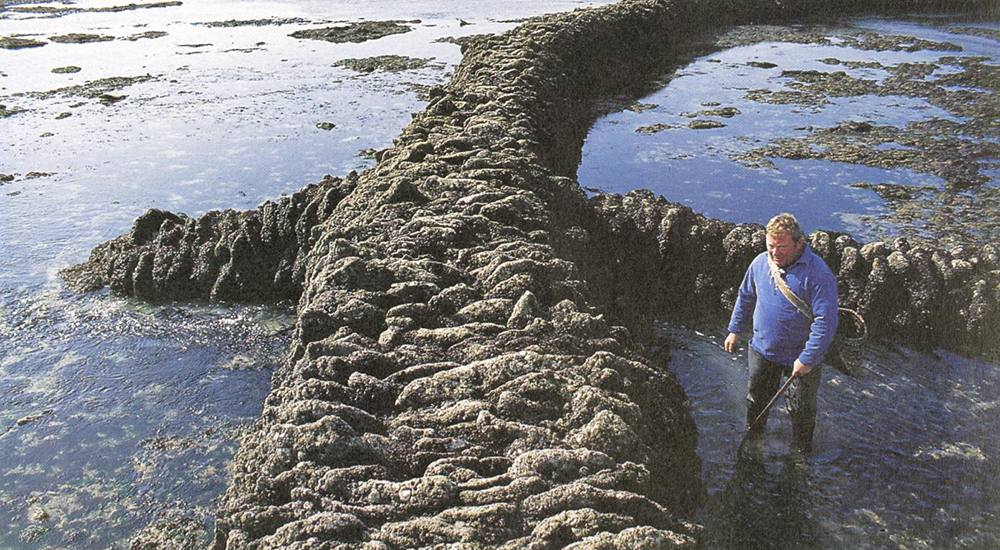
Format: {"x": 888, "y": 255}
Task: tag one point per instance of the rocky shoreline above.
{"x": 466, "y": 369}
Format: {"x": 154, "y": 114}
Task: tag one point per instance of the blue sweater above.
{"x": 781, "y": 333}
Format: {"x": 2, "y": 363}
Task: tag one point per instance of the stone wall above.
{"x": 460, "y": 374}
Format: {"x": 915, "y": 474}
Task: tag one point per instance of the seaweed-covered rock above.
{"x": 256, "y": 255}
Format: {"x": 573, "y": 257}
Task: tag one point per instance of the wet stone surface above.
{"x": 9, "y": 111}
{"x": 145, "y": 35}
{"x": 231, "y": 23}
{"x": 355, "y": 32}
{"x": 95, "y": 89}
{"x": 56, "y": 11}
{"x": 388, "y": 63}
{"x": 80, "y": 38}
{"x": 15, "y": 43}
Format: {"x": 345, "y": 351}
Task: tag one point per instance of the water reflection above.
{"x": 764, "y": 509}
{"x": 905, "y": 455}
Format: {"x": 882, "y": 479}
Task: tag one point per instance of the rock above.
{"x": 34, "y": 417}
{"x": 387, "y": 63}
{"x": 355, "y": 32}
{"x": 175, "y": 533}
{"x": 653, "y": 129}
{"x": 702, "y": 124}
{"x": 80, "y": 38}
{"x": 14, "y": 43}
{"x": 525, "y": 310}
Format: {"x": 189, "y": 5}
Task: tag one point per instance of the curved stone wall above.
{"x": 662, "y": 257}
{"x": 452, "y": 381}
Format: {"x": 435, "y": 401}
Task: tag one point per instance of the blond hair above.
{"x": 784, "y": 224}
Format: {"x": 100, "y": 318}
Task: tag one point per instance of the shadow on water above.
{"x": 905, "y": 453}
{"x": 761, "y": 508}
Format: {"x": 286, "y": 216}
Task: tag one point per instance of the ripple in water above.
{"x": 117, "y": 413}
{"x": 906, "y": 453}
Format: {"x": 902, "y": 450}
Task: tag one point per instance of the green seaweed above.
{"x": 355, "y": 32}
{"x": 15, "y": 43}
{"x": 387, "y": 63}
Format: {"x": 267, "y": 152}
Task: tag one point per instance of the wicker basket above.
{"x": 849, "y": 342}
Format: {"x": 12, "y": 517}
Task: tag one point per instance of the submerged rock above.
{"x": 99, "y": 89}
{"x": 654, "y": 128}
{"x": 15, "y": 43}
{"x": 6, "y": 111}
{"x": 355, "y": 32}
{"x": 388, "y": 63}
{"x": 174, "y": 533}
{"x": 145, "y": 35}
{"x": 277, "y": 21}
{"x": 705, "y": 124}
{"x": 80, "y": 38}
{"x": 60, "y": 10}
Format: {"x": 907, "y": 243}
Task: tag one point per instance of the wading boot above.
{"x": 753, "y": 409}
{"x": 802, "y": 436}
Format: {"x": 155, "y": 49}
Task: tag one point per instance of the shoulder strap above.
{"x": 783, "y": 287}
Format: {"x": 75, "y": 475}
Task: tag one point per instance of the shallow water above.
{"x": 114, "y": 413}
{"x": 697, "y": 167}
{"x": 906, "y": 453}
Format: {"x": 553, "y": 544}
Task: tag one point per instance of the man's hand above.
{"x": 800, "y": 368}
{"x": 731, "y": 341}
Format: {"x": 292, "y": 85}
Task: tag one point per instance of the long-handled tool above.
{"x": 770, "y": 404}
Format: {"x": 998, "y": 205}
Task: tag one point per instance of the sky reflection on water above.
{"x": 696, "y": 167}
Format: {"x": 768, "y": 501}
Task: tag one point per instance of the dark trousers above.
{"x": 800, "y": 400}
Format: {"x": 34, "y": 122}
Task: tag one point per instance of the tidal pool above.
{"x": 906, "y": 451}
{"x": 878, "y": 128}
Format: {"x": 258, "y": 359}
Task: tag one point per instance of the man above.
{"x": 785, "y": 340}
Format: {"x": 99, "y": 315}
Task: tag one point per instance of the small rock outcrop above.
{"x": 464, "y": 371}
{"x": 257, "y": 255}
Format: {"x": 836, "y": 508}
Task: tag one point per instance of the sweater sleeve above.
{"x": 825, "y": 320}
{"x": 745, "y": 302}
